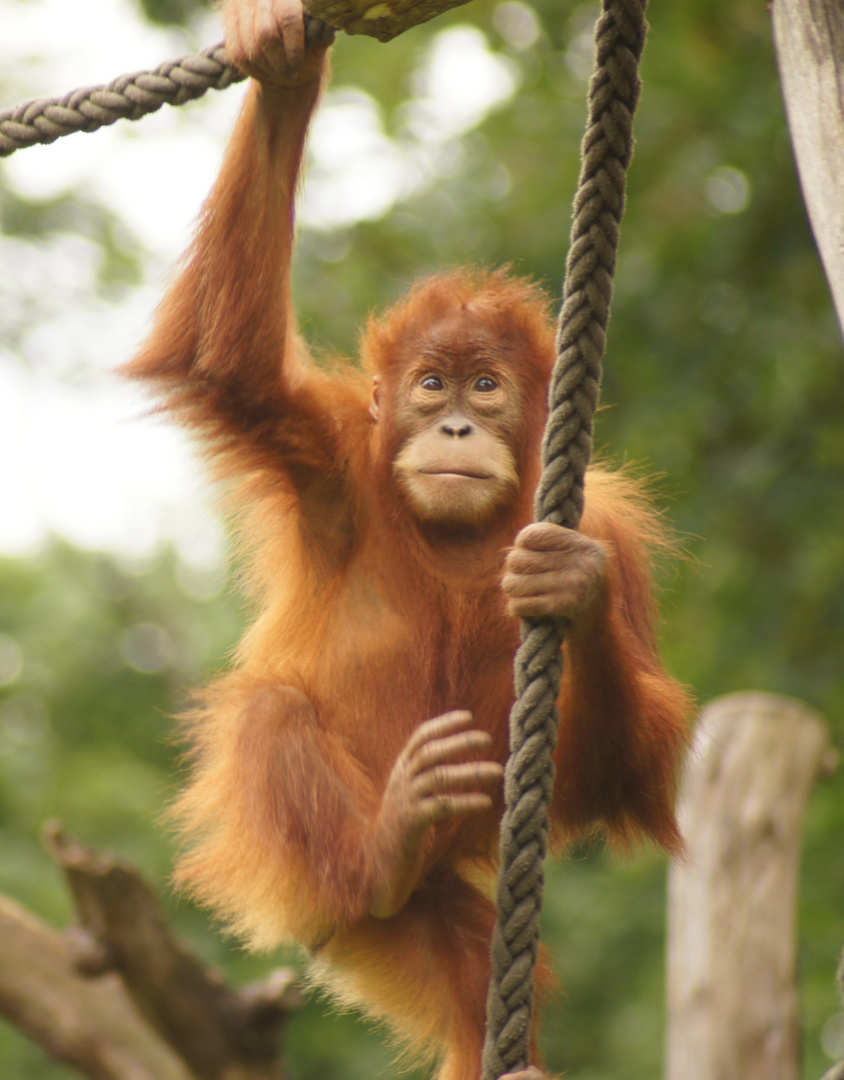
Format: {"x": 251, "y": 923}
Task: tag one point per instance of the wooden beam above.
{"x": 809, "y": 37}
{"x": 382, "y": 19}
{"x": 732, "y": 1000}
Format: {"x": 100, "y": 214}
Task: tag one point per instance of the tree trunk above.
{"x": 809, "y": 36}
{"x": 732, "y": 1002}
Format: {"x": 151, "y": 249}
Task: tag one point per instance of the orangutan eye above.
{"x": 485, "y": 384}
{"x": 432, "y": 382}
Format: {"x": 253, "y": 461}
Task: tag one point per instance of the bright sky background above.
{"x": 78, "y": 458}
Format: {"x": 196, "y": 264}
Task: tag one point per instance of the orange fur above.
{"x": 369, "y": 624}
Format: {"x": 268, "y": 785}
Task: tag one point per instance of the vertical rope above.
{"x": 573, "y": 397}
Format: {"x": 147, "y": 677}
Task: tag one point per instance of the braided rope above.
{"x": 127, "y": 98}
{"x": 573, "y": 398}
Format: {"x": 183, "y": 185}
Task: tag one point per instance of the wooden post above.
{"x": 809, "y": 36}
{"x": 732, "y": 1003}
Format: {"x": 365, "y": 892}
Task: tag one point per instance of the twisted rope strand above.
{"x": 573, "y": 398}
{"x": 128, "y": 97}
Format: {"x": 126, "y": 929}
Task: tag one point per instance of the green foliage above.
{"x": 91, "y": 649}
{"x": 75, "y": 213}
{"x": 723, "y": 376}
{"x": 169, "y": 11}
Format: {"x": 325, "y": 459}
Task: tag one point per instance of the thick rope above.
{"x": 573, "y": 398}
{"x": 127, "y": 98}
{"x": 131, "y": 96}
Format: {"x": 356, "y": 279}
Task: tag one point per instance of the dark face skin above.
{"x": 457, "y": 417}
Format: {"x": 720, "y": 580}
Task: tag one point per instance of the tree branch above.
{"x": 90, "y": 1024}
{"x": 119, "y": 998}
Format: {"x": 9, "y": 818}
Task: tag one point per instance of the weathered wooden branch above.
{"x": 120, "y": 998}
{"x": 732, "y": 1003}
{"x": 809, "y": 36}
{"x": 90, "y": 1024}
{"x": 382, "y": 19}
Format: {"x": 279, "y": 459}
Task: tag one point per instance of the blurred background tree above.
{"x": 723, "y": 378}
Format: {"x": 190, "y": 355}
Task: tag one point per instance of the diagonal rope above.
{"x": 573, "y": 398}
{"x": 128, "y": 97}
